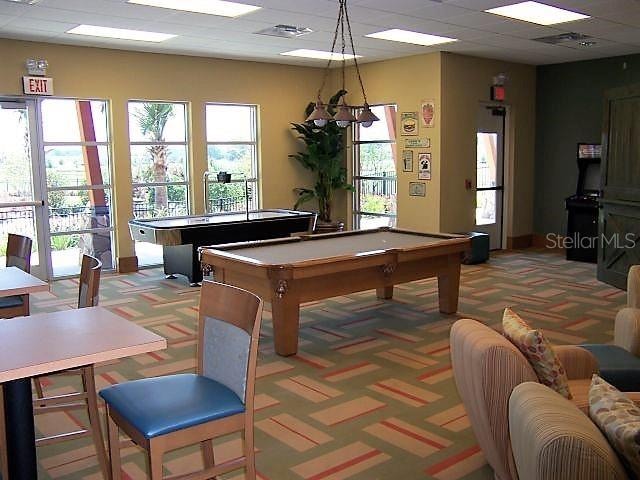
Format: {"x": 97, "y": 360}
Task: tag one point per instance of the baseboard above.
{"x": 523, "y": 241}
{"x": 127, "y": 264}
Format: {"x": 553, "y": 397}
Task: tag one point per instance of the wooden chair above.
{"x": 18, "y": 255}
{"x": 87, "y": 398}
{"x": 165, "y": 413}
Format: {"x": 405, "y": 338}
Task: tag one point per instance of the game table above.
{"x": 313, "y": 267}
{"x": 180, "y": 237}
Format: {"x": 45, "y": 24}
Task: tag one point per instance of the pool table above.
{"x": 180, "y": 237}
{"x": 313, "y": 267}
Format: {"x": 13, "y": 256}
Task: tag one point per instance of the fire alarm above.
{"x": 497, "y": 93}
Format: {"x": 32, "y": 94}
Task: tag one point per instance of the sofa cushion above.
{"x": 536, "y": 348}
{"x": 619, "y": 419}
{"x": 552, "y": 439}
{"x": 617, "y": 366}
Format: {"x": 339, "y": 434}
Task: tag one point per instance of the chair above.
{"x": 487, "y": 367}
{"x": 89, "y": 284}
{"x": 18, "y": 255}
{"x": 620, "y": 363}
{"x": 165, "y": 413}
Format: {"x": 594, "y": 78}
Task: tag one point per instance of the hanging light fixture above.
{"x": 343, "y": 118}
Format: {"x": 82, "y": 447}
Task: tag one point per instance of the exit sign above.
{"x": 37, "y": 85}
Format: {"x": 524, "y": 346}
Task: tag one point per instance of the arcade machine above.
{"x": 582, "y": 208}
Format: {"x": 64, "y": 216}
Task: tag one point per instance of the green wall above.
{"x": 568, "y": 111}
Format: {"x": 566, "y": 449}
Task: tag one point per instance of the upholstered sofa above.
{"x": 487, "y": 367}
{"x": 552, "y": 439}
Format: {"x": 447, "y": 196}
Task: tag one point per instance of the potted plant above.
{"x": 324, "y": 156}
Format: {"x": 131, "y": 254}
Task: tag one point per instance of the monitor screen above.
{"x": 591, "y": 178}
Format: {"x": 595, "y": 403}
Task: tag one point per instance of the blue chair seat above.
{"x": 11, "y": 302}
{"x": 160, "y": 405}
{"x": 617, "y": 366}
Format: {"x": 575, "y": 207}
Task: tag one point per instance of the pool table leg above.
{"x": 384, "y": 293}
{"x": 285, "y": 314}
{"x": 449, "y": 287}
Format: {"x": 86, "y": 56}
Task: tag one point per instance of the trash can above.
{"x": 479, "y": 251}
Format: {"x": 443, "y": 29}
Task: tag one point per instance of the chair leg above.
{"x": 154, "y": 462}
{"x": 4, "y": 459}
{"x": 249, "y": 451}
{"x": 207, "y": 455}
{"x": 114, "y": 447}
{"x": 88, "y": 380}
{"x": 38, "y": 386}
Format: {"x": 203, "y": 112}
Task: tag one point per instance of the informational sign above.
{"x": 424, "y": 166}
{"x": 37, "y": 85}
{"x": 409, "y": 123}
{"x": 417, "y": 142}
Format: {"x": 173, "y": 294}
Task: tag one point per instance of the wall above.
{"x": 281, "y": 91}
{"x": 406, "y": 82}
{"x": 465, "y": 84}
{"x": 569, "y": 111}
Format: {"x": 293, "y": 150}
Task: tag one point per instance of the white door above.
{"x": 21, "y": 192}
{"x": 490, "y": 173}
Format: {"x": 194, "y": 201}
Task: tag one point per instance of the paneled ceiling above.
{"x": 614, "y": 27}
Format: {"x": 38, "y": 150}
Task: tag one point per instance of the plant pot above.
{"x": 328, "y": 227}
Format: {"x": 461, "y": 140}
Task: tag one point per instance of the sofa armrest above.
{"x": 578, "y": 362}
{"x": 627, "y": 330}
{"x": 633, "y": 287}
{"x": 552, "y": 439}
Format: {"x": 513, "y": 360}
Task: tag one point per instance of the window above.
{"x": 159, "y": 159}
{"x": 78, "y": 185}
{"x": 374, "y": 170}
{"x": 232, "y": 148}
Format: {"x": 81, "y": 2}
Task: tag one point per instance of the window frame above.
{"x": 146, "y": 143}
{"x": 253, "y": 179}
{"x": 356, "y": 212}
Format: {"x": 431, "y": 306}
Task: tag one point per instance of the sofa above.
{"x": 487, "y": 367}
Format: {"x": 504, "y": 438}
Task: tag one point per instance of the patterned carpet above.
{"x": 370, "y": 394}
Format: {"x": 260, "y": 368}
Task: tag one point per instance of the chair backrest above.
{"x": 486, "y": 368}
{"x": 89, "y": 282}
{"x": 19, "y": 252}
{"x": 228, "y": 333}
{"x": 633, "y": 287}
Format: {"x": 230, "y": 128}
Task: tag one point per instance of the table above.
{"x": 180, "y": 237}
{"x": 14, "y": 281}
{"x": 313, "y": 267}
{"x": 50, "y": 342}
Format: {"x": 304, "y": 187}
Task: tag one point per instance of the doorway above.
{"x": 490, "y": 173}
{"x": 55, "y": 181}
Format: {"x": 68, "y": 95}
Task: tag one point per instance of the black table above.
{"x": 180, "y": 237}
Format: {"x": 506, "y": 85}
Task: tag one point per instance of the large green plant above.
{"x": 324, "y": 156}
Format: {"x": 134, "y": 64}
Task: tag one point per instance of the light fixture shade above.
{"x": 344, "y": 116}
{"x": 319, "y": 113}
{"x": 366, "y": 117}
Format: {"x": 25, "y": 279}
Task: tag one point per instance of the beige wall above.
{"x": 406, "y": 82}
{"x": 281, "y": 91}
{"x": 465, "y": 84}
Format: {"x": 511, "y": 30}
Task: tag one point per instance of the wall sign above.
{"x": 417, "y": 189}
{"x": 428, "y": 113}
{"x": 424, "y": 166}
{"x": 417, "y": 142}
{"x": 37, "y": 85}
{"x": 409, "y": 123}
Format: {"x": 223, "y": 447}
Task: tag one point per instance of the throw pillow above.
{"x": 535, "y": 347}
{"x": 618, "y": 418}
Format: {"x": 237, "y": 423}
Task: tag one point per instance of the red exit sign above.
{"x": 37, "y": 85}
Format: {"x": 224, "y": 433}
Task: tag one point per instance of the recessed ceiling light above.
{"x": 320, "y": 54}
{"x": 406, "y": 36}
{"x": 210, "y": 7}
{"x": 124, "y": 34}
{"x": 539, "y": 13}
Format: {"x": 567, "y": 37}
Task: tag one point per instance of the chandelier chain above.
{"x": 353, "y": 50}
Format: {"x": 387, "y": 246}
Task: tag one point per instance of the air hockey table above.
{"x": 180, "y": 237}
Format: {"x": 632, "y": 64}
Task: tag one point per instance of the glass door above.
{"x": 490, "y": 173}
{"x": 21, "y": 193}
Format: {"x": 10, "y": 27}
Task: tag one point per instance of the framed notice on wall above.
{"x": 407, "y": 161}
{"x": 424, "y": 166}
{"x": 417, "y": 189}
{"x": 409, "y": 123}
{"x": 428, "y": 113}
